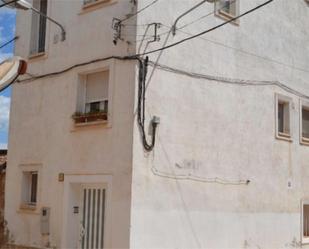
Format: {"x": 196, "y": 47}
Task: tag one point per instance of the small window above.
{"x": 95, "y": 93}
{"x": 304, "y": 119}
{"x": 305, "y": 222}
{"x": 38, "y": 28}
{"x": 30, "y": 188}
{"x": 227, "y": 8}
{"x": 283, "y": 117}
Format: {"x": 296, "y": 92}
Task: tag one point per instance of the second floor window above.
{"x": 38, "y": 28}
{"x": 93, "y": 98}
{"x": 97, "y": 93}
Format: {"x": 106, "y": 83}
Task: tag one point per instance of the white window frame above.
{"x": 227, "y": 16}
{"x": 27, "y": 169}
{"x": 305, "y": 104}
{"x": 289, "y": 101}
{"x": 81, "y": 91}
{"x": 304, "y": 240}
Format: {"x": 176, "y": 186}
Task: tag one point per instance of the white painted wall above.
{"x": 42, "y": 131}
{"x": 215, "y": 130}
{"x": 208, "y": 128}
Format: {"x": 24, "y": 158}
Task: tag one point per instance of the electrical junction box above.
{"x": 45, "y": 219}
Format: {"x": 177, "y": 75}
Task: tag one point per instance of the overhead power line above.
{"x": 8, "y": 42}
{"x": 226, "y": 80}
{"x": 139, "y": 11}
{"x": 7, "y": 3}
{"x": 208, "y": 30}
{"x": 132, "y": 57}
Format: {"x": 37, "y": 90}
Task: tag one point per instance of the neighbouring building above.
{"x": 3, "y": 158}
{"x": 229, "y": 111}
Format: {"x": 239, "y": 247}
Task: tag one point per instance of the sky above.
{"x": 7, "y": 32}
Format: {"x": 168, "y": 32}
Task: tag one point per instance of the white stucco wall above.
{"x": 210, "y": 129}
{"x": 42, "y": 131}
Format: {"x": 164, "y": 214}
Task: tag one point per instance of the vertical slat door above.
{"x": 92, "y": 218}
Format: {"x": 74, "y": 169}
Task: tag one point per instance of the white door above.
{"x": 92, "y": 216}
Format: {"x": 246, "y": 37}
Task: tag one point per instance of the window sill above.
{"x": 226, "y": 17}
{"x": 305, "y": 241}
{"x": 304, "y": 141}
{"x": 27, "y": 207}
{"x": 33, "y": 57}
{"x": 284, "y": 137}
{"x": 96, "y": 5}
{"x": 101, "y": 122}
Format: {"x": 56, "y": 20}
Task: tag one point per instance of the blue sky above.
{"x": 7, "y": 31}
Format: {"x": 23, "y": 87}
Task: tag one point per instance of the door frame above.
{"x": 69, "y": 179}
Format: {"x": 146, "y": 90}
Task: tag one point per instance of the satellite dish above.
{"x": 19, "y": 4}
{"x": 10, "y": 69}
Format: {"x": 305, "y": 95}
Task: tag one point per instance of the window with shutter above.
{"x": 97, "y": 92}
{"x": 95, "y": 95}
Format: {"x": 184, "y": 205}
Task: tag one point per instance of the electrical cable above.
{"x": 143, "y": 64}
{"x": 8, "y": 42}
{"x": 208, "y": 30}
{"x": 198, "y": 178}
{"x": 228, "y": 80}
{"x": 137, "y": 12}
{"x": 7, "y": 3}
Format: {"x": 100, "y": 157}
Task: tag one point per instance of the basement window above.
{"x": 283, "y": 117}
{"x": 38, "y": 28}
{"x": 305, "y": 222}
{"x": 304, "y": 122}
{"x": 93, "y": 98}
{"x": 227, "y": 9}
{"x": 29, "y": 188}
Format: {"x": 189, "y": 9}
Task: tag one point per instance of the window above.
{"x": 95, "y": 107}
{"x": 97, "y": 92}
{"x": 38, "y": 28}
{"x": 227, "y": 8}
{"x": 305, "y": 222}
{"x": 283, "y": 120}
{"x": 304, "y": 122}
{"x": 29, "y": 188}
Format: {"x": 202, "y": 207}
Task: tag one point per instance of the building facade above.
{"x": 229, "y": 167}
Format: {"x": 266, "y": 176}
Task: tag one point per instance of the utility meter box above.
{"x": 45, "y": 219}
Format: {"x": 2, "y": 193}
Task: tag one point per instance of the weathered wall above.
{"x": 218, "y": 131}
{"x": 42, "y": 133}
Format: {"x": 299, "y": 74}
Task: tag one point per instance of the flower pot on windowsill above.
{"x": 80, "y": 118}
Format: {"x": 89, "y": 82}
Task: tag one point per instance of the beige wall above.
{"x": 42, "y": 134}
